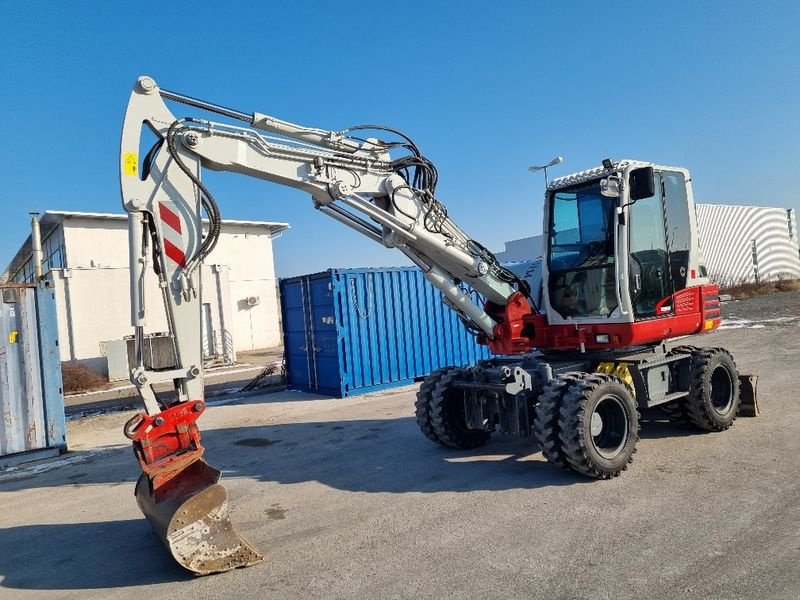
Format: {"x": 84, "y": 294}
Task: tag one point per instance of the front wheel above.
{"x": 448, "y": 414}
{"x": 599, "y": 426}
{"x": 422, "y": 405}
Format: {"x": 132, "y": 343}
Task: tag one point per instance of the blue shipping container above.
{"x": 351, "y": 331}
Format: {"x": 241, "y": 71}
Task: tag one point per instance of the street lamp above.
{"x": 556, "y": 161}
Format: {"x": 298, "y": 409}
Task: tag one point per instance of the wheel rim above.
{"x": 721, "y": 392}
{"x": 609, "y": 426}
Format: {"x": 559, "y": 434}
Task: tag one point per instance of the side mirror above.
{"x": 609, "y": 187}
{"x": 642, "y": 183}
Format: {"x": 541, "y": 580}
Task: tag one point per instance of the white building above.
{"x": 86, "y": 255}
{"x": 741, "y": 244}
{"x": 748, "y": 244}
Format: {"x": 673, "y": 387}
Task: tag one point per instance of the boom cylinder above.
{"x": 138, "y": 262}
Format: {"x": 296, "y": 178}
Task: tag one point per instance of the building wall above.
{"x": 748, "y": 243}
{"x": 247, "y": 252}
{"x": 93, "y": 291}
{"x": 529, "y": 248}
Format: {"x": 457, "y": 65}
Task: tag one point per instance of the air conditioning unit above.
{"x": 253, "y": 301}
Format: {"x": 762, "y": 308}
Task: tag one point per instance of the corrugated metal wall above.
{"x": 350, "y": 331}
{"x": 31, "y": 398}
{"x": 748, "y": 243}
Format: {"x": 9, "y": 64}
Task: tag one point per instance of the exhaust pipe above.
{"x": 36, "y": 242}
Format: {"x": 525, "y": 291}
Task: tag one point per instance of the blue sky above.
{"x": 484, "y": 88}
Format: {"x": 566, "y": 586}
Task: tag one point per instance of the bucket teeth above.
{"x": 189, "y": 514}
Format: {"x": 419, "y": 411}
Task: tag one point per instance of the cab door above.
{"x": 650, "y": 278}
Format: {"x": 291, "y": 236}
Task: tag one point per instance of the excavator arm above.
{"x": 359, "y": 182}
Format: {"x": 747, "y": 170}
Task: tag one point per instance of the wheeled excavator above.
{"x": 577, "y": 337}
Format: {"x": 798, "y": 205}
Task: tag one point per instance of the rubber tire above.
{"x": 545, "y": 420}
{"x": 675, "y": 412}
{"x": 447, "y": 415}
{"x": 577, "y": 406}
{"x": 423, "y": 401}
{"x": 699, "y": 408}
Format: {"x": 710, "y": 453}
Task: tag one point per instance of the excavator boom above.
{"x": 355, "y": 181}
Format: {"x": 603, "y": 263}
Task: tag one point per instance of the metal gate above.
{"x": 31, "y": 398}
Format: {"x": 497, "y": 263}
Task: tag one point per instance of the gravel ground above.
{"x": 348, "y": 500}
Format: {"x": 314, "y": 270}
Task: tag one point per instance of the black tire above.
{"x": 545, "y": 420}
{"x": 714, "y": 400}
{"x": 447, "y": 415}
{"x": 675, "y": 412}
{"x": 423, "y": 402}
{"x": 685, "y": 349}
{"x": 599, "y": 426}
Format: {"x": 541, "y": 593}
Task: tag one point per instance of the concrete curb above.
{"x": 130, "y": 402}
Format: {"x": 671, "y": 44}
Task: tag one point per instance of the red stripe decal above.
{"x": 169, "y": 217}
{"x": 175, "y": 253}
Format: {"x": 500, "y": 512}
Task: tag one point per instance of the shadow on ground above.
{"x": 377, "y": 455}
{"x": 653, "y": 426}
{"x": 85, "y": 556}
{"x": 374, "y": 455}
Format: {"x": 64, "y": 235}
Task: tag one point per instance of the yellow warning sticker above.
{"x": 130, "y": 163}
{"x": 709, "y": 324}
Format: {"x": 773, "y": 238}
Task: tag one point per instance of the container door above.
{"x": 323, "y": 338}
{"x": 21, "y": 398}
{"x": 295, "y": 302}
{"x": 310, "y": 335}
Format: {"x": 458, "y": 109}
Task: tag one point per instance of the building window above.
{"x": 789, "y": 222}
{"x": 25, "y": 274}
{"x": 53, "y": 250}
{"x": 53, "y": 257}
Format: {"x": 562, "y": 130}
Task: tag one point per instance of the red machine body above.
{"x": 520, "y": 330}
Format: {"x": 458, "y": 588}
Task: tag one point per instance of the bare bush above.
{"x": 741, "y": 290}
{"x": 265, "y": 379}
{"x": 80, "y": 378}
{"x": 787, "y": 285}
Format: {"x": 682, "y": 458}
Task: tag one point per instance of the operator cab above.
{"x": 581, "y": 252}
{"x": 584, "y": 254}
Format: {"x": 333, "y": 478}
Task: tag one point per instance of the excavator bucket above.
{"x": 180, "y": 495}
{"x": 189, "y": 513}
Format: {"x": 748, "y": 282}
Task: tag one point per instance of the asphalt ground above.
{"x": 349, "y": 500}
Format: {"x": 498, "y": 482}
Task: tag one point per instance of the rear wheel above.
{"x": 599, "y": 426}
{"x": 675, "y": 412}
{"x": 448, "y": 417}
{"x": 713, "y": 401}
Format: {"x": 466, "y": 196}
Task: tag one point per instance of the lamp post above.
{"x": 556, "y": 161}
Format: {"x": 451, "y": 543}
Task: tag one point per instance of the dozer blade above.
{"x": 190, "y": 514}
{"x": 748, "y": 385}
